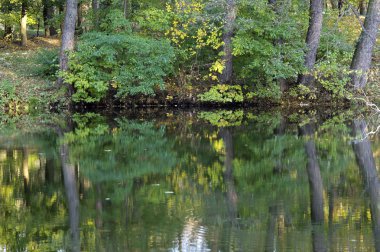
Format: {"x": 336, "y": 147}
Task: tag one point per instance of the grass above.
{"x": 17, "y": 72}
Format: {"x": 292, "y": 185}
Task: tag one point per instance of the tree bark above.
{"x": 312, "y": 40}
{"x": 68, "y": 38}
{"x": 226, "y": 76}
{"x": 367, "y": 165}
{"x": 361, "y": 61}
{"x": 24, "y": 18}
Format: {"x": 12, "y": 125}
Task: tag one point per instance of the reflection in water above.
{"x": 177, "y": 183}
{"x": 192, "y": 238}
{"x": 232, "y": 197}
{"x": 68, "y": 171}
{"x": 367, "y": 165}
{"x": 316, "y": 189}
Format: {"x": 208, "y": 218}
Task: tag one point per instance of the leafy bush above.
{"x": 268, "y": 91}
{"x": 333, "y": 75}
{"x": 223, "y": 93}
{"x": 268, "y": 46}
{"x": 114, "y": 58}
{"x": 332, "y": 69}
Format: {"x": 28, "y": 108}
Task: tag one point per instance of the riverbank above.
{"x": 24, "y": 90}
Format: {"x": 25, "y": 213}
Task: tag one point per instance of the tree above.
{"x": 316, "y": 188}
{"x": 361, "y": 61}
{"x": 367, "y": 165}
{"x": 226, "y": 76}
{"x": 68, "y": 37}
{"x": 24, "y": 17}
{"x": 312, "y": 39}
{"x": 48, "y": 12}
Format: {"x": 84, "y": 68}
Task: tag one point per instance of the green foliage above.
{"x": 268, "y": 45}
{"x": 223, "y": 94}
{"x": 223, "y": 118}
{"x": 268, "y": 91}
{"x": 332, "y": 69}
{"x": 193, "y": 32}
{"x": 118, "y": 60}
{"x": 7, "y": 92}
{"x": 333, "y": 74}
{"x": 46, "y": 63}
{"x": 303, "y": 92}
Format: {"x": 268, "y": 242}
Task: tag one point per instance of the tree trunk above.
{"x": 48, "y": 13}
{"x": 362, "y": 7}
{"x": 312, "y": 40}
{"x": 367, "y": 165}
{"x": 24, "y": 36}
{"x": 361, "y": 62}
{"x": 68, "y": 38}
{"x": 226, "y": 76}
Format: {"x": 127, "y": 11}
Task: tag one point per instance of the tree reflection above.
{"x": 367, "y": 165}
{"x": 232, "y": 197}
{"x": 315, "y": 187}
{"x": 69, "y": 178}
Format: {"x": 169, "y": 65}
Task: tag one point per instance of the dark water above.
{"x": 190, "y": 181}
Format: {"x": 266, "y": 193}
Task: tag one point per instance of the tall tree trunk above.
{"x": 68, "y": 38}
{"x": 24, "y": 18}
{"x": 361, "y": 61}
{"x": 226, "y": 76}
{"x": 312, "y": 40}
{"x": 367, "y": 165}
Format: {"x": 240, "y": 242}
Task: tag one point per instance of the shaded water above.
{"x": 187, "y": 181}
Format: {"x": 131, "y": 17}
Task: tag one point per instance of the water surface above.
{"x": 190, "y": 181}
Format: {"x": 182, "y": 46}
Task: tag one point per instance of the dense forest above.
{"x": 115, "y": 52}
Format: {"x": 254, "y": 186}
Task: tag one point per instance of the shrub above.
{"x": 223, "y": 93}
{"x": 126, "y": 62}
